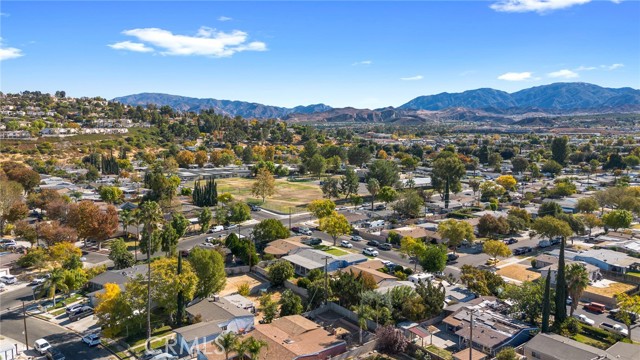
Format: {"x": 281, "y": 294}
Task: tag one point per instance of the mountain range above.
{"x": 484, "y": 104}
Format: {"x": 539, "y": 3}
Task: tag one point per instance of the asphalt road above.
{"x": 69, "y": 343}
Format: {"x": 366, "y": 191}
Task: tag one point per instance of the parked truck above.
{"x": 614, "y": 328}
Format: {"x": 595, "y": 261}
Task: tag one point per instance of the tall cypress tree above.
{"x": 561, "y": 289}
{"x": 205, "y": 194}
{"x": 546, "y": 303}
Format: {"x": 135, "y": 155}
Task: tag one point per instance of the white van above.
{"x": 416, "y": 278}
{"x": 216, "y": 229}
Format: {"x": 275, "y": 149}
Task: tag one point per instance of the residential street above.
{"x": 69, "y": 343}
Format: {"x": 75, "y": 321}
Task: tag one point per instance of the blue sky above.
{"x": 361, "y": 54}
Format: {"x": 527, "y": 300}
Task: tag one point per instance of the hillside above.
{"x": 227, "y": 107}
{"x": 556, "y": 97}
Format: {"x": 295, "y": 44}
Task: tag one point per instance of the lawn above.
{"x": 292, "y": 196}
{"x": 442, "y": 353}
{"x": 62, "y": 303}
{"x": 335, "y": 251}
{"x": 634, "y": 273}
{"x": 590, "y": 341}
{"x": 518, "y": 272}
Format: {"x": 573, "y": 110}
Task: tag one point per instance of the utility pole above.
{"x": 180, "y": 294}
{"x": 471, "y": 338}
{"x": 24, "y": 318}
{"x": 326, "y": 280}
{"x": 289, "y": 218}
{"x": 149, "y": 290}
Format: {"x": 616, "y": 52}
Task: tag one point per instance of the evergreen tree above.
{"x": 205, "y": 193}
{"x": 561, "y": 289}
{"x": 546, "y": 303}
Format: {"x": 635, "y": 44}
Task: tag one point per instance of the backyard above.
{"x": 292, "y": 196}
{"x": 518, "y": 272}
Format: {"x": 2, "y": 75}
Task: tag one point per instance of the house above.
{"x": 493, "y": 327}
{"x": 295, "y": 338}
{"x": 592, "y": 271}
{"x": 283, "y": 247}
{"x": 371, "y": 268}
{"x": 306, "y": 260}
{"x": 118, "y": 277}
{"x": 557, "y": 347}
{"x": 608, "y": 260}
{"x": 225, "y": 313}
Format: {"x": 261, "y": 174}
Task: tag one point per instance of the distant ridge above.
{"x": 227, "y": 107}
{"x": 562, "y": 98}
{"x": 558, "y": 96}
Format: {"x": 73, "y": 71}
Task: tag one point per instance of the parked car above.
{"x": 373, "y": 243}
{"x": 511, "y": 241}
{"x": 633, "y": 316}
{"x": 37, "y": 281}
{"x": 8, "y": 243}
{"x": 54, "y": 354}
{"x": 380, "y": 207}
{"x": 595, "y": 307}
{"x": 8, "y": 279}
{"x": 615, "y": 328}
{"x": 528, "y": 249}
{"x": 584, "y": 319}
{"x": 451, "y": 257}
{"x": 80, "y": 313}
{"x": 231, "y": 226}
{"x": 370, "y": 251}
{"x": 164, "y": 356}
{"x": 41, "y": 346}
{"x": 209, "y": 239}
{"x": 305, "y": 231}
{"x": 519, "y": 251}
{"x": 356, "y": 238}
{"x": 254, "y": 207}
{"x": 91, "y": 339}
{"x": 311, "y": 241}
{"x": 556, "y": 240}
{"x": 544, "y": 243}
{"x": 73, "y": 308}
{"x": 385, "y": 246}
{"x": 346, "y": 244}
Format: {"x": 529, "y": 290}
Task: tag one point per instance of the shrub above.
{"x": 243, "y": 289}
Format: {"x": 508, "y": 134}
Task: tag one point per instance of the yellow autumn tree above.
{"x": 507, "y": 181}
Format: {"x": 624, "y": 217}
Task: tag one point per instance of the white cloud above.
{"x": 514, "y": 76}
{"x": 616, "y": 1}
{"x": 612, "y": 66}
{"x": 224, "y": 18}
{"x": 4, "y": 14}
{"x": 130, "y": 46}
{"x": 563, "y": 74}
{"x": 206, "y": 42}
{"x": 539, "y": 6}
{"x": 7, "y": 53}
{"x": 364, "y": 62}
{"x": 412, "y": 78}
{"x": 585, "y": 68}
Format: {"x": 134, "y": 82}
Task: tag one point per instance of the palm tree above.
{"x": 151, "y": 216}
{"x": 55, "y": 282}
{"x": 577, "y": 282}
{"x": 126, "y": 218}
{"x": 254, "y": 347}
{"x": 364, "y": 314}
{"x": 241, "y": 349}
{"x": 227, "y": 342}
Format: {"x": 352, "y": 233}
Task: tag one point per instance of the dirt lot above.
{"x": 608, "y": 288}
{"x": 289, "y": 195}
{"x": 234, "y": 281}
{"x": 518, "y": 272}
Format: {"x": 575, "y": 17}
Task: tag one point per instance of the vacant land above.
{"x": 289, "y": 195}
{"x": 234, "y": 281}
{"x": 608, "y": 288}
{"x": 518, "y": 272}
